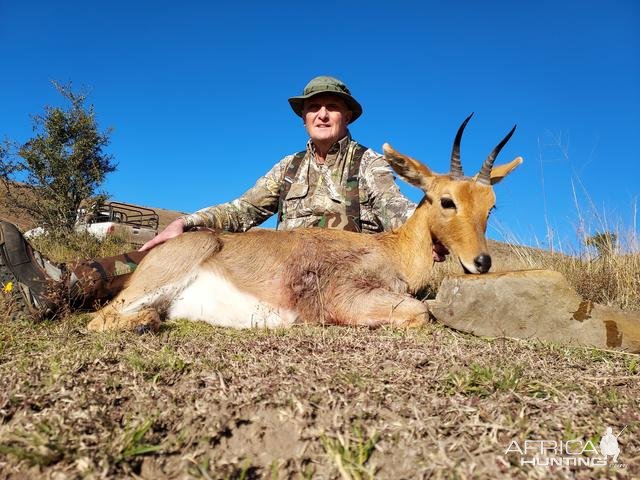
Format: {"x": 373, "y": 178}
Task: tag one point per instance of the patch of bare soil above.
{"x": 309, "y": 402}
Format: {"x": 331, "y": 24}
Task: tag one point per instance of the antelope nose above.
{"x": 482, "y": 262}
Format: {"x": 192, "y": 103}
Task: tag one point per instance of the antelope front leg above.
{"x": 381, "y": 307}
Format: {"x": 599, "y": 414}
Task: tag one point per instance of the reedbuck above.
{"x": 278, "y": 278}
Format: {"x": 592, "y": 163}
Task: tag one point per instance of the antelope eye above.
{"x": 447, "y": 203}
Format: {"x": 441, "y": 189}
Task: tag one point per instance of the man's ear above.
{"x": 349, "y": 116}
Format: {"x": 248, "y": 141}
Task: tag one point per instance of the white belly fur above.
{"x": 213, "y": 299}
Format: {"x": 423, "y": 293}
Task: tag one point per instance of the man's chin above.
{"x": 322, "y": 140}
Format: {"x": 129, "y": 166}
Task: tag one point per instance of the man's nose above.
{"x": 323, "y": 112}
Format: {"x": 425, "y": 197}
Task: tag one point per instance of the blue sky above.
{"x": 197, "y": 93}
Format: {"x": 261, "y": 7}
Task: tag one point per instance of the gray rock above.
{"x": 532, "y": 304}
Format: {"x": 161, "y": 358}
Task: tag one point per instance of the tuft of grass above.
{"x": 632, "y": 366}
{"x": 41, "y": 456}
{"x": 483, "y": 381}
{"x": 350, "y": 455}
{"x": 186, "y": 329}
{"x": 134, "y": 441}
{"x": 35, "y": 446}
{"x": 153, "y": 364}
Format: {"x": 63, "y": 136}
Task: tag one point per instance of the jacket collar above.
{"x": 337, "y": 150}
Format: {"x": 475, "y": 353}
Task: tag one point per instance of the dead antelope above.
{"x": 278, "y": 278}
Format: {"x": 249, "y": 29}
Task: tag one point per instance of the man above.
{"x": 334, "y": 183}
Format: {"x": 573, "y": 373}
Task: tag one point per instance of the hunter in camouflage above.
{"x": 334, "y": 183}
{"x": 318, "y": 195}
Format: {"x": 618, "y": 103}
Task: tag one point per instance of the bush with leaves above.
{"x": 49, "y": 176}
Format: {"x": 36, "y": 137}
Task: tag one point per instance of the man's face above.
{"x": 326, "y": 118}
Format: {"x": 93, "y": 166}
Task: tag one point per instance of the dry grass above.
{"x": 612, "y": 279}
{"x": 200, "y": 402}
{"x": 79, "y": 246}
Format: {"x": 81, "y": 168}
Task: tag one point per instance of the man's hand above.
{"x": 174, "y": 229}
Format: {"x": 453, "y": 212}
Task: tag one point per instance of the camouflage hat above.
{"x": 329, "y": 85}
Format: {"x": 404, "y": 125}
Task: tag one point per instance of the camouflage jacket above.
{"x": 317, "y": 192}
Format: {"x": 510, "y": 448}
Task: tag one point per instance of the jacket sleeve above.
{"x": 387, "y": 202}
{"x": 252, "y": 208}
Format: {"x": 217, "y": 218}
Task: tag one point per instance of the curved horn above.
{"x": 484, "y": 176}
{"x": 456, "y": 167}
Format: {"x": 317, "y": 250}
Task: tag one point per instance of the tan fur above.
{"x": 324, "y": 276}
{"x": 112, "y": 319}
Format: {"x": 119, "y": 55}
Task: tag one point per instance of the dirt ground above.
{"x": 200, "y": 402}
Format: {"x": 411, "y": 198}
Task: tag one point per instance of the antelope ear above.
{"x": 410, "y": 170}
{"x": 501, "y": 171}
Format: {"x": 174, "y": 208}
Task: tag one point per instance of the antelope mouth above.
{"x": 440, "y": 252}
{"x": 465, "y": 269}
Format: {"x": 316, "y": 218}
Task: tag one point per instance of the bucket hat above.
{"x": 324, "y": 84}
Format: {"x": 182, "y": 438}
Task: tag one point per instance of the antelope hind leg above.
{"x": 109, "y": 318}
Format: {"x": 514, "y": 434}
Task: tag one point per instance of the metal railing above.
{"x": 126, "y": 214}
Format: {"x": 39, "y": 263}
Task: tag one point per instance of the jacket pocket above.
{"x": 297, "y": 190}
